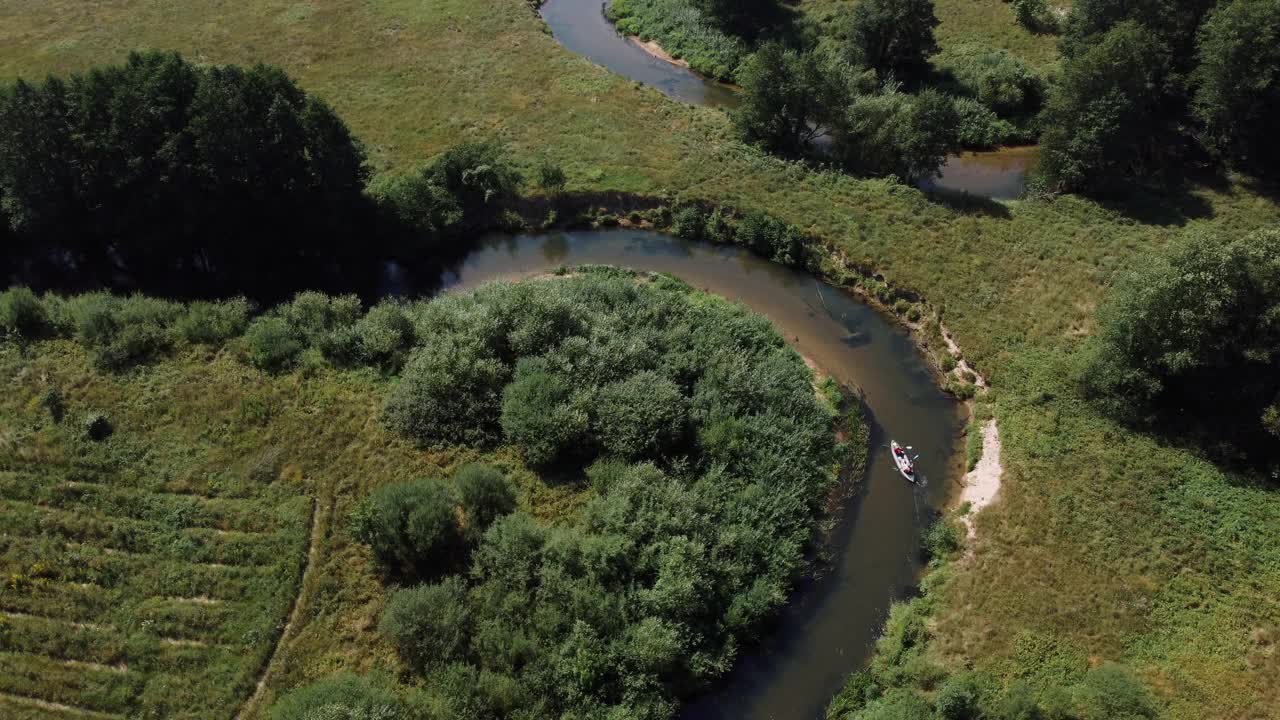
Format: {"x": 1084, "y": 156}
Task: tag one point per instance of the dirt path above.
{"x": 982, "y": 484}
{"x": 313, "y": 550}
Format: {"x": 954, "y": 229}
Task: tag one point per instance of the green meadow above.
{"x": 1106, "y": 544}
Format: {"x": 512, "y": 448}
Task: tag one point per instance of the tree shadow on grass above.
{"x": 964, "y": 203}
{"x": 1171, "y": 203}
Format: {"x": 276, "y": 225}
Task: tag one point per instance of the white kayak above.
{"x": 903, "y": 460}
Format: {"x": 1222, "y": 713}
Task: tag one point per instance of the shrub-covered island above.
{"x": 604, "y": 485}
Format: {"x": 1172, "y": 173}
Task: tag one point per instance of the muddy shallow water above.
{"x": 828, "y": 628}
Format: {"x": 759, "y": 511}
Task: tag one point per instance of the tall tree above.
{"x": 893, "y": 37}
{"x": 1104, "y": 121}
{"x": 788, "y": 100}
{"x": 1238, "y": 82}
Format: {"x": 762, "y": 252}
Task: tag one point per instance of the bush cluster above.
{"x": 707, "y": 455}
{"x": 683, "y": 30}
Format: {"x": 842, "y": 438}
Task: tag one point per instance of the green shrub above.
{"x": 411, "y": 529}
{"x": 551, "y": 178}
{"x": 21, "y": 313}
{"x": 958, "y": 697}
{"x": 429, "y": 625}
{"x": 385, "y": 335}
{"x": 892, "y": 133}
{"x": 479, "y": 175}
{"x": 417, "y": 202}
{"x": 772, "y": 238}
{"x": 51, "y": 400}
{"x": 898, "y": 704}
{"x": 312, "y": 315}
{"x": 947, "y": 362}
{"x": 485, "y": 496}
{"x": 641, "y": 416}
{"x": 1113, "y": 691}
{"x": 273, "y": 344}
{"x": 96, "y": 426}
{"x": 902, "y": 306}
{"x": 541, "y": 414}
{"x": 213, "y": 323}
{"x": 450, "y": 391}
{"x": 940, "y": 540}
{"x": 1034, "y": 15}
{"x": 688, "y": 222}
{"x": 343, "y": 696}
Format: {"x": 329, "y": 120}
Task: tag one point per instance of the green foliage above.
{"x": 1104, "y": 122}
{"x": 683, "y": 30}
{"x": 96, "y": 426}
{"x": 213, "y": 323}
{"x": 640, "y": 417}
{"x": 418, "y": 203}
{"x": 1237, "y": 82}
{"x": 273, "y": 344}
{"x": 174, "y": 170}
{"x": 1195, "y": 334}
{"x": 1034, "y": 15}
{"x": 542, "y": 414}
{"x": 429, "y": 625}
{"x": 1112, "y": 691}
{"x": 940, "y": 540}
{"x": 551, "y": 178}
{"x": 343, "y": 696}
{"x": 479, "y": 175}
{"x": 893, "y": 37}
{"x": 21, "y": 313}
{"x": 892, "y": 133}
{"x": 643, "y": 594}
{"x": 411, "y": 528}
{"x": 957, "y": 699}
{"x": 485, "y": 496}
{"x": 121, "y": 332}
{"x": 449, "y": 391}
{"x": 51, "y": 400}
{"x": 788, "y": 99}
{"x": 771, "y": 238}
{"x": 996, "y": 78}
{"x": 741, "y": 16}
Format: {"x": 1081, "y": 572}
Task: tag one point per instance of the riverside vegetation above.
{"x": 596, "y": 586}
{"x": 1112, "y": 541}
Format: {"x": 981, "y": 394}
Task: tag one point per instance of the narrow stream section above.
{"x": 581, "y": 27}
{"x": 828, "y": 629}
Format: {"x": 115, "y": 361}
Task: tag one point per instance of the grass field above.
{"x": 1107, "y": 545}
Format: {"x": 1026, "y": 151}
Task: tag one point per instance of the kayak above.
{"x": 902, "y": 460}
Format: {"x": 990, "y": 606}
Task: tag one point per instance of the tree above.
{"x": 485, "y": 495}
{"x": 740, "y": 16}
{"x": 539, "y": 413}
{"x": 1104, "y": 120}
{"x": 788, "y": 100}
{"x": 897, "y": 134}
{"x": 411, "y": 529}
{"x": 449, "y": 391}
{"x": 478, "y": 175}
{"x": 21, "y": 313}
{"x": 893, "y": 37}
{"x": 176, "y": 171}
{"x": 642, "y": 416}
{"x": 429, "y": 625}
{"x": 1195, "y": 334}
{"x": 1238, "y": 82}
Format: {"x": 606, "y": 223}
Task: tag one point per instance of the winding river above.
{"x": 829, "y": 627}
{"x": 581, "y": 27}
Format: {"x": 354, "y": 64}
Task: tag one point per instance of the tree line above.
{"x": 1146, "y": 89}
{"x": 191, "y": 179}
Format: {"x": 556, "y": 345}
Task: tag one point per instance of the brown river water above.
{"x": 828, "y": 628}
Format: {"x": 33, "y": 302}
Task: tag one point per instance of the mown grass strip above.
{"x": 16, "y": 707}
{"x": 43, "y": 678}
{"x": 198, "y": 545}
{"x": 176, "y": 511}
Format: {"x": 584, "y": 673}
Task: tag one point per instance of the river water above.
{"x": 581, "y": 27}
{"x": 828, "y": 628}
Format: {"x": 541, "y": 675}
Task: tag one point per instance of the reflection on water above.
{"x": 998, "y": 174}
{"x": 828, "y": 628}
{"x": 581, "y": 26}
